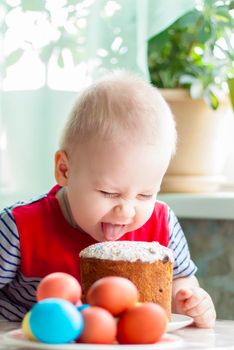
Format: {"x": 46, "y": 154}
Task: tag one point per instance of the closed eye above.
{"x": 109, "y": 194}
{"x": 145, "y": 196}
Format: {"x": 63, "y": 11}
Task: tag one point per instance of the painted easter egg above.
{"x": 82, "y": 307}
{"x": 55, "y": 321}
{"x": 59, "y": 285}
{"x": 99, "y": 326}
{"x": 142, "y": 324}
{"x": 26, "y": 327}
{"x": 113, "y": 293}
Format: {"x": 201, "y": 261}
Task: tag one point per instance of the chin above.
{"x": 98, "y": 237}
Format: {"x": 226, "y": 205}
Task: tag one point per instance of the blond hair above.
{"x": 121, "y": 104}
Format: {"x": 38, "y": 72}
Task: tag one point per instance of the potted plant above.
{"x": 192, "y": 61}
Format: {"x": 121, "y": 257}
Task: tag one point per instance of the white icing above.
{"x": 128, "y": 251}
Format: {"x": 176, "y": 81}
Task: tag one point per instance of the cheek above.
{"x": 144, "y": 211}
{"x": 88, "y": 207}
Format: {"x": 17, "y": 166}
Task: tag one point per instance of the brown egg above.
{"x": 59, "y": 285}
{"x": 99, "y": 326}
{"x": 142, "y": 324}
{"x": 115, "y": 294}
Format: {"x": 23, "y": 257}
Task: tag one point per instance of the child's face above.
{"x": 111, "y": 188}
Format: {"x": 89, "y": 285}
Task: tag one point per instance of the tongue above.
{"x": 112, "y": 232}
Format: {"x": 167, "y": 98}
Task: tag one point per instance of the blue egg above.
{"x": 82, "y": 307}
{"x": 55, "y": 321}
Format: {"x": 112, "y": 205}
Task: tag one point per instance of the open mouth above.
{"x": 111, "y": 231}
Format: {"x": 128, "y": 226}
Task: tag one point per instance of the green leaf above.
{"x": 3, "y": 27}
{"x": 186, "y": 20}
{"x": 46, "y": 53}
{"x": 231, "y": 6}
{"x": 78, "y": 55}
{"x": 158, "y": 42}
{"x": 211, "y": 99}
{"x": 204, "y": 32}
{"x": 231, "y": 90}
{"x": 60, "y": 60}
{"x": 14, "y": 57}
{"x": 72, "y": 2}
{"x": 33, "y": 5}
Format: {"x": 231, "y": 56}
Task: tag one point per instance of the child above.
{"x": 114, "y": 152}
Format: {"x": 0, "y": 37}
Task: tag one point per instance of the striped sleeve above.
{"x": 9, "y": 247}
{"x": 183, "y": 265}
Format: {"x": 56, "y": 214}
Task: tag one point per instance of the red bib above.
{"x": 49, "y": 244}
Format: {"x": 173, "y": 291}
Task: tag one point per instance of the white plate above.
{"x": 16, "y": 338}
{"x": 178, "y": 321}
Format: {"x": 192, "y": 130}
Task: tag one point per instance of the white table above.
{"x": 221, "y": 337}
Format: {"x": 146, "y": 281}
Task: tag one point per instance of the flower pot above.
{"x": 204, "y": 141}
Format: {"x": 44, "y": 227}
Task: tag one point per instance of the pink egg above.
{"x": 99, "y": 326}
{"x": 115, "y": 294}
{"x": 59, "y": 285}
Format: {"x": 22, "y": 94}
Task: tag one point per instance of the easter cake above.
{"x": 148, "y": 265}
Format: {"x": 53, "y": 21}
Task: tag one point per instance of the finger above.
{"x": 183, "y": 294}
{"x": 182, "y": 297}
{"x": 197, "y": 309}
{"x": 198, "y": 298}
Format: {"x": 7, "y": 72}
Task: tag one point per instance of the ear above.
{"x": 61, "y": 167}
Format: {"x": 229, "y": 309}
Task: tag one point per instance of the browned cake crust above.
{"x": 153, "y": 280}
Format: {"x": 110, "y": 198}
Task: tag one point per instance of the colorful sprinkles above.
{"x": 128, "y": 251}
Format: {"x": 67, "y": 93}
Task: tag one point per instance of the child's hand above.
{"x": 196, "y": 303}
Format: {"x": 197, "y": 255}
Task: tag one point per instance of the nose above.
{"x": 125, "y": 210}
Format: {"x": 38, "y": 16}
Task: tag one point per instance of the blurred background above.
{"x": 51, "y": 49}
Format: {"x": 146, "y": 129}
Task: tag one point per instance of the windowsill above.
{"x": 201, "y": 206}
